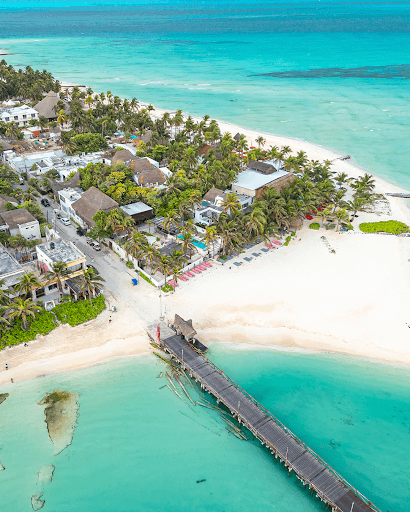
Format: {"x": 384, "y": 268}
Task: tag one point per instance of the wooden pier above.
{"x": 311, "y": 470}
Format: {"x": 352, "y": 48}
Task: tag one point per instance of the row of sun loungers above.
{"x": 191, "y": 273}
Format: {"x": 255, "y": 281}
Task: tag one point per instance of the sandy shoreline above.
{"x": 354, "y": 302}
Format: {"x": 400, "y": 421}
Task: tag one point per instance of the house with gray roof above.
{"x": 253, "y": 183}
{"x": 10, "y": 269}
{"x": 20, "y": 221}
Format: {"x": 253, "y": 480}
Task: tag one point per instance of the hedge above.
{"x": 43, "y": 323}
{"x": 78, "y": 312}
{"x": 314, "y": 225}
{"x": 390, "y": 226}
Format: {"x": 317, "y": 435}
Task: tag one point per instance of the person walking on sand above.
{"x": 12, "y": 381}
{"x": 109, "y": 320}
{"x": 7, "y": 366}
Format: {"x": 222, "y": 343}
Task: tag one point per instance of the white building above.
{"x": 20, "y": 221}
{"x": 55, "y": 250}
{"x": 211, "y": 206}
{"x": 67, "y": 197}
{"x": 19, "y": 115}
{"x": 25, "y": 162}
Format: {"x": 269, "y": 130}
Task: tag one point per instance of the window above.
{"x": 33, "y": 116}
{"x": 52, "y": 286}
{"x": 7, "y": 119}
{"x": 24, "y": 116}
{"x": 40, "y": 292}
{"x": 16, "y": 118}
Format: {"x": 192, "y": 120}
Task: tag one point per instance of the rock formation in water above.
{"x": 37, "y": 502}
{"x": 45, "y": 475}
{"x": 61, "y": 413}
{"x": 3, "y": 396}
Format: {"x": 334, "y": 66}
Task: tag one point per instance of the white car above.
{"x": 66, "y": 221}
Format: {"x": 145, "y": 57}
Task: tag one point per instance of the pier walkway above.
{"x": 329, "y": 486}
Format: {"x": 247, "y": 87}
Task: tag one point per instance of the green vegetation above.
{"x": 55, "y": 396}
{"x": 88, "y": 143}
{"x": 167, "y": 288}
{"x": 314, "y": 225}
{"x": 129, "y": 264}
{"x": 43, "y": 323}
{"x": 143, "y": 276}
{"x": 75, "y": 313}
{"x": 390, "y": 226}
{"x": 25, "y": 83}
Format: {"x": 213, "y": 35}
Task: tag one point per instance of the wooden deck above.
{"x": 329, "y": 486}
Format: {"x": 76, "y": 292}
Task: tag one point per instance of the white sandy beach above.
{"x": 355, "y": 301}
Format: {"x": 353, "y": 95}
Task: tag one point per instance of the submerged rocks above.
{"x": 61, "y": 413}
{"x": 3, "y": 396}
{"x": 45, "y": 475}
{"x": 2, "y": 468}
{"x": 36, "y": 502}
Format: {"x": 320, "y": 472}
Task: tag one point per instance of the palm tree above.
{"x": 89, "y": 281}
{"x": 260, "y": 141}
{"x": 358, "y": 204}
{"x": 169, "y": 220}
{"x": 341, "y": 216}
{"x": 151, "y": 255}
{"x": 231, "y": 204}
{"x": 187, "y": 241}
{"x": 62, "y": 118}
{"x": 210, "y": 237}
{"x": 26, "y": 284}
{"x": 12, "y": 130}
{"x": 4, "y": 294}
{"x": 59, "y": 272}
{"x": 255, "y": 222}
{"x": 176, "y": 274}
{"x": 228, "y": 228}
{"x": 23, "y": 308}
{"x": 341, "y": 178}
{"x": 164, "y": 265}
{"x": 136, "y": 245}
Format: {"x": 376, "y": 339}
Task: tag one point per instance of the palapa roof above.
{"x": 211, "y": 195}
{"x": 237, "y": 136}
{"x": 91, "y": 202}
{"x": 185, "y": 326}
{"x": 45, "y": 107}
{"x": 5, "y": 146}
{"x": 261, "y": 167}
{"x": 146, "y": 172}
{"x": 15, "y": 218}
{"x": 123, "y": 155}
{"x": 60, "y": 185}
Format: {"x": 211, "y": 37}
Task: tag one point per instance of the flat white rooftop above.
{"x": 252, "y": 180}
{"x": 135, "y": 208}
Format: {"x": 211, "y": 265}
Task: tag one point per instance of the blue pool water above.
{"x": 197, "y": 243}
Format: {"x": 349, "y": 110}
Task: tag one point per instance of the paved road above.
{"x": 117, "y": 276}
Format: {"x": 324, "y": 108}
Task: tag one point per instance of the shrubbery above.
{"x": 43, "y": 323}
{"x": 89, "y": 142}
{"x": 78, "y": 312}
{"x": 390, "y": 226}
{"x": 146, "y": 278}
{"x": 314, "y": 225}
{"x": 167, "y": 288}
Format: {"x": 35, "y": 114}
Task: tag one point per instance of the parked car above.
{"x": 57, "y": 213}
{"x": 66, "y": 221}
{"x": 45, "y": 202}
{"x": 95, "y": 245}
{"x": 80, "y": 232}
{"x": 89, "y": 240}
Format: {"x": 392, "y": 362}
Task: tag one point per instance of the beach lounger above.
{"x": 173, "y": 283}
{"x": 202, "y": 267}
{"x": 248, "y": 259}
{"x": 207, "y": 263}
{"x": 255, "y": 254}
{"x": 264, "y": 249}
{"x": 183, "y": 278}
{"x": 195, "y": 270}
{"x": 189, "y": 274}
{"x": 237, "y": 263}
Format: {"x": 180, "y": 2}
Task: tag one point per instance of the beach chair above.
{"x": 202, "y": 267}
{"x": 206, "y": 263}
{"x": 195, "y": 270}
{"x": 183, "y": 278}
{"x": 189, "y": 274}
{"x": 173, "y": 283}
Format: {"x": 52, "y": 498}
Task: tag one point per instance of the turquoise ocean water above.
{"x": 203, "y": 58}
{"x": 138, "y": 447}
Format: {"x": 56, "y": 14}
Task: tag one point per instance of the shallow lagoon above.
{"x": 138, "y": 447}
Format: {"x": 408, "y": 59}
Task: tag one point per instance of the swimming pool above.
{"x": 197, "y": 243}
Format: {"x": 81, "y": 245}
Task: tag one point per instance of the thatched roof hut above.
{"x": 185, "y": 326}
{"x": 45, "y": 107}
{"x": 91, "y": 202}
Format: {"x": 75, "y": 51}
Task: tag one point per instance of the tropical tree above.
{"x": 260, "y": 141}
{"x": 176, "y": 274}
{"x": 151, "y": 255}
{"x": 254, "y": 222}
{"x": 58, "y": 273}
{"x": 23, "y": 308}
{"x": 228, "y": 228}
{"x": 341, "y": 216}
{"x": 231, "y": 204}
{"x": 210, "y": 237}
{"x": 165, "y": 265}
{"x": 62, "y": 118}
{"x": 4, "y": 294}
{"x": 26, "y": 284}
{"x": 89, "y": 282}
{"x": 136, "y": 245}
